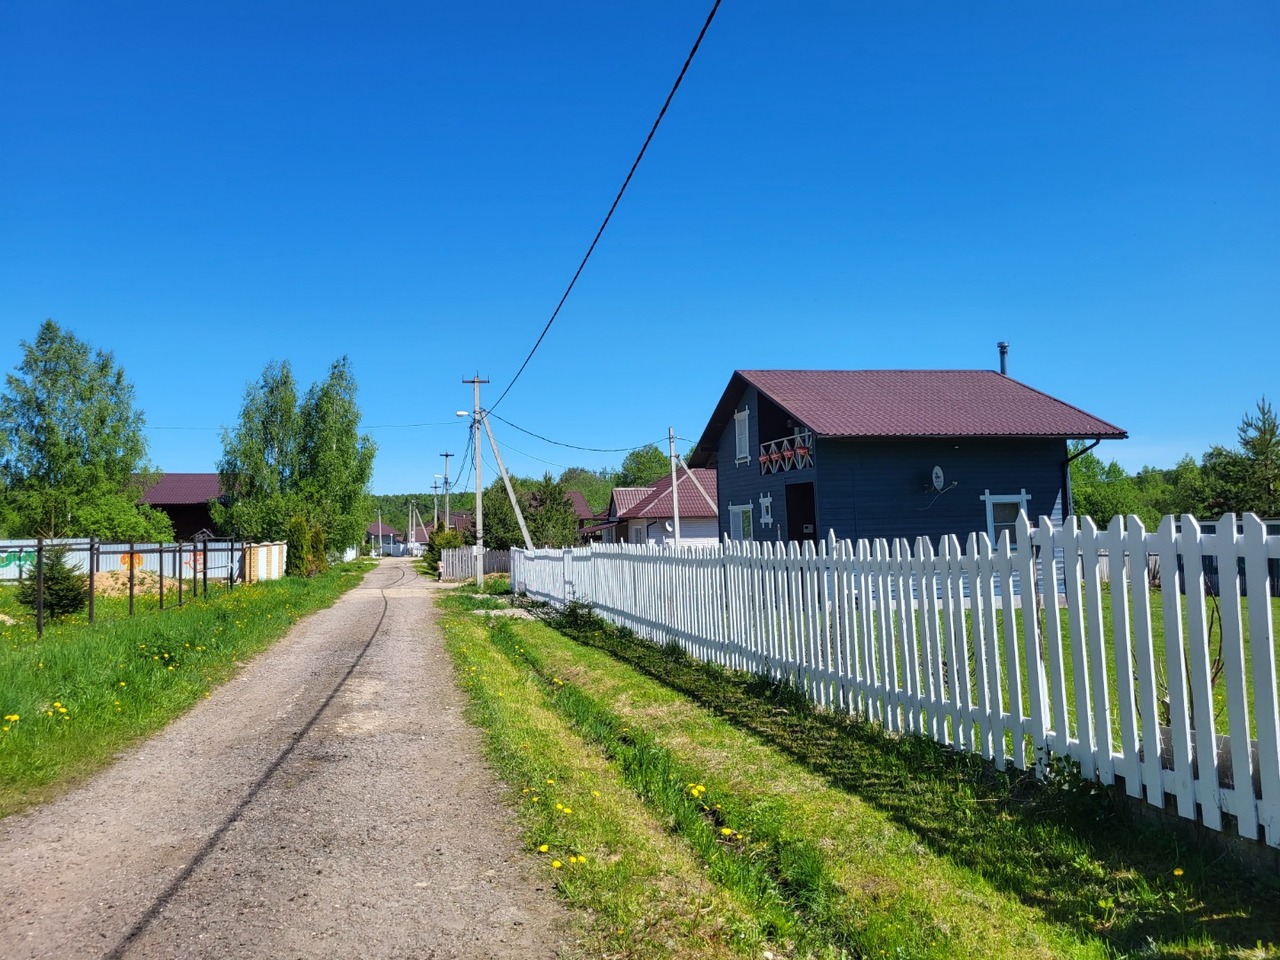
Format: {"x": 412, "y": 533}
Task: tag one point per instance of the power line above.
{"x": 570, "y": 446}
{"x": 654, "y": 129}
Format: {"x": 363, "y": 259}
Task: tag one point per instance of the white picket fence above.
{"x": 957, "y": 644}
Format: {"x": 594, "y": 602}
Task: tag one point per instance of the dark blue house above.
{"x": 888, "y": 453}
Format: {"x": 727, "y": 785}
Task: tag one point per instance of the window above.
{"x": 740, "y": 522}
{"x": 1002, "y": 514}
{"x": 637, "y": 535}
{"x": 766, "y": 510}
{"x": 742, "y": 436}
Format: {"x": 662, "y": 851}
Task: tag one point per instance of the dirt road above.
{"x": 329, "y": 802}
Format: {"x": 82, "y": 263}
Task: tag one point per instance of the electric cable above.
{"x": 616, "y": 200}
{"x": 571, "y": 446}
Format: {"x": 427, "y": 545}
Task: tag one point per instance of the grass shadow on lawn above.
{"x": 1074, "y": 850}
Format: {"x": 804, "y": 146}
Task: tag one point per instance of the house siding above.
{"x": 873, "y": 489}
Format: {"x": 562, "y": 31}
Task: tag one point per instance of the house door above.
{"x": 802, "y": 513}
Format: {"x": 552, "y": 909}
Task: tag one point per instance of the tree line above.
{"x": 1241, "y": 479}
{"x": 73, "y": 453}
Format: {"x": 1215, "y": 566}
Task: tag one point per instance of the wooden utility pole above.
{"x": 675, "y": 485}
{"x": 475, "y": 441}
{"x": 446, "y": 456}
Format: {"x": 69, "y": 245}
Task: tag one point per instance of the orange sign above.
{"x": 131, "y": 560}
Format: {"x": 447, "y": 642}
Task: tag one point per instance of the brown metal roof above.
{"x": 580, "y": 506}
{"x": 624, "y": 498}
{"x": 909, "y": 403}
{"x": 692, "y": 503}
{"x": 923, "y": 403}
{"x": 179, "y": 488}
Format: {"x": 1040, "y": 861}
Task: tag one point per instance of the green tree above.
{"x": 286, "y": 458}
{"x": 594, "y": 485}
{"x": 1102, "y": 490}
{"x": 643, "y": 467}
{"x": 72, "y": 451}
{"x": 1247, "y": 479}
{"x": 551, "y": 518}
{"x": 548, "y": 513}
{"x": 1171, "y": 492}
{"x": 335, "y": 460}
{"x": 1259, "y": 438}
{"x": 297, "y": 559}
{"x": 66, "y": 591}
{"x": 259, "y": 465}
{"x": 440, "y": 538}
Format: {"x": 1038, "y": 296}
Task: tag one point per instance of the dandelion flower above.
{"x": 556, "y": 864}
{"x": 595, "y": 793}
{"x": 12, "y": 717}
{"x": 726, "y": 831}
{"x": 544, "y": 848}
{"x": 1177, "y": 871}
{"x": 568, "y": 809}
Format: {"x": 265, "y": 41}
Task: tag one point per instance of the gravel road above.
{"x": 329, "y": 802}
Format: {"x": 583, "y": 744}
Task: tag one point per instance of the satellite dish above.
{"x": 670, "y": 527}
{"x": 938, "y": 479}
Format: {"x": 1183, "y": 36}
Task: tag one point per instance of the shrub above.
{"x": 298, "y": 559}
{"x": 439, "y": 539}
{"x": 66, "y": 591}
{"x": 319, "y": 560}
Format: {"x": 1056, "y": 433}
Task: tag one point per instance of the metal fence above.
{"x": 1016, "y": 652}
{"x": 176, "y": 571}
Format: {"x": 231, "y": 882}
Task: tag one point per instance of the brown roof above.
{"x": 177, "y": 488}
{"x": 909, "y": 403}
{"x": 692, "y": 503}
{"x": 623, "y": 499}
{"x": 580, "y": 506}
{"x": 376, "y": 529}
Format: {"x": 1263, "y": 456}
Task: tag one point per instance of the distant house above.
{"x": 582, "y": 510}
{"x": 385, "y": 541}
{"x": 612, "y": 528}
{"x": 652, "y": 519}
{"x": 185, "y": 498}
{"x": 460, "y": 520}
{"x": 888, "y": 453}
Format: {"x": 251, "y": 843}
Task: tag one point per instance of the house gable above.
{"x": 854, "y": 452}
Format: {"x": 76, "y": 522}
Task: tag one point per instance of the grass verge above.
{"x": 73, "y": 698}
{"x": 819, "y": 837}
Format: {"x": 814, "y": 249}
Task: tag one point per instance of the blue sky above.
{"x": 204, "y": 188}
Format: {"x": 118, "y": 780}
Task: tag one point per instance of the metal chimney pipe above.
{"x": 1004, "y": 357}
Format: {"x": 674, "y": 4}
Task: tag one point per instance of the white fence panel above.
{"x": 1021, "y": 652}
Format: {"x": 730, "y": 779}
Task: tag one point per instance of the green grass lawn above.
{"x": 807, "y": 834}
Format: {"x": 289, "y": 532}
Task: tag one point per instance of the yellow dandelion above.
{"x": 595, "y": 793}
{"x": 549, "y": 780}
{"x": 568, "y": 809}
{"x": 123, "y": 684}
{"x": 1177, "y": 871}
{"x": 56, "y": 704}
{"x": 556, "y": 864}
{"x": 12, "y": 717}
{"x": 544, "y": 848}
{"x": 725, "y": 831}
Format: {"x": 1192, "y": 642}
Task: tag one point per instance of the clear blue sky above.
{"x": 204, "y": 188}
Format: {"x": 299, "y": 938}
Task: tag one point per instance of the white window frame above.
{"x": 740, "y": 523}
{"x": 766, "y": 510}
{"x": 742, "y": 436}
{"x": 991, "y": 500}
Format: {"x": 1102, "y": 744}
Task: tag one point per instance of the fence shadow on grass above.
{"x": 1069, "y": 848}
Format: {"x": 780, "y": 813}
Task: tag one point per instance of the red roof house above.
{"x": 888, "y": 453}
{"x": 651, "y": 519}
{"x": 185, "y": 497}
